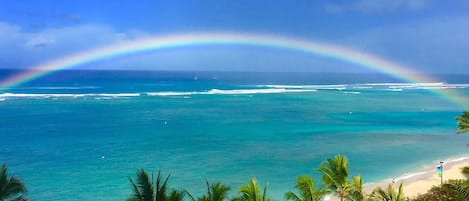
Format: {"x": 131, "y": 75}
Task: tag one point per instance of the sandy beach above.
{"x": 422, "y": 181}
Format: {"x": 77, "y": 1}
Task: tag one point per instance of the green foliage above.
{"x": 463, "y": 122}
{"x": 389, "y": 194}
{"x": 355, "y": 189}
{"x": 11, "y": 187}
{"x": 307, "y": 190}
{"x": 176, "y": 195}
{"x": 465, "y": 171}
{"x": 454, "y": 190}
{"x": 146, "y": 190}
{"x": 335, "y": 172}
{"x": 215, "y": 192}
{"x": 252, "y": 192}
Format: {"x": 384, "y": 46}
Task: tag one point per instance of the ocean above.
{"x": 80, "y": 135}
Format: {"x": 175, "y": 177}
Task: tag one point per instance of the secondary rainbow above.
{"x": 197, "y": 39}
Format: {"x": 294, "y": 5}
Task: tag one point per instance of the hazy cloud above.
{"x": 40, "y": 41}
{"x": 75, "y": 18}
{"x": 377, "y": 6}
{"x": 20, "y": 48}
{"x": 435, "y": 45}
{"x": 36, "y": 20}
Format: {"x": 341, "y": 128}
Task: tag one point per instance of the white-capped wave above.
{"x": 257, "y": 91}
{"x": 410, "y": 175}
{"x": 170, "y": 93}
{"x": 352, "y": 92}
{"x": 325, "y": 86}
{"x": 19, "y": 95}
{"x": 395, "y": 89}
{"x": 362, "y": 87}
{"x": 231, "y": 92}
{"x": 453, "y": 160}
{"x": 406, "y": 84}
{"x": 61, "y": 88}
{"x": 117, "y": 95}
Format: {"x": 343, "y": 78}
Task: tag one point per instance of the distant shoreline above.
{"x": 420, "y": 181}
{"x": 423, "y": 179}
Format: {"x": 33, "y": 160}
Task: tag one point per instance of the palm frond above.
{"x": 161, "y": 187}
{"x": 307, "y": 190}
{"x": 335, "y": 174}
{"x": 192, "y": 198}
{"x": 463, "y": 122}
{"x": 11, "y": 186}
{"x": 355, "y": 189}
{"x": 292, "y": 196}
{"x": 142, "y": 187}
{"x": 389, "y": 194}
{"x": 219, "y": 192}
{"x": 176, "y": 195}
{"x": 137, "y": 194}
{"x": 251, "y": 192}
{"x": 264, "y": 194}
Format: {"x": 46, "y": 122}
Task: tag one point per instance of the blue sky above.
{"x": 430, "y": 36}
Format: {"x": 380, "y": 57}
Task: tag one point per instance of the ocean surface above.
{"x": 80, "y": 135}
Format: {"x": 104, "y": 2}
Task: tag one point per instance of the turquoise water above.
{"x": 81, "y": 139}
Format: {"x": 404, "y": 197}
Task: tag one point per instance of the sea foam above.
{"x": 31, "y": 95}
{"x": 231, "y": 92}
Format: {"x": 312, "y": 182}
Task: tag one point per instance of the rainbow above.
{"x": 194, "y": 39}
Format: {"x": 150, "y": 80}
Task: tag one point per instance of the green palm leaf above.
{"x": 144, "y": 189}
{"x": 11, "y": 187}
{"x": 219, "y": 192}
{"x": 161, "y": 187}
{"x": 176, "y": 195}
{"x": 335, "y": 174}
{"x": 251, "y": 192}
{"x": 355, "y": 189}
{"x": 307, "y": 190}
{"x": 463, "y": 122}
{"x": 389, "y": 194}
{"x": 215, "y": 192}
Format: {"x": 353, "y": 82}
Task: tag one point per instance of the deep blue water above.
{"x": 79, "y": 135}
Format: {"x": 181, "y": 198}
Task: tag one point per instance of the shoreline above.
{"x": 421, "y": 180}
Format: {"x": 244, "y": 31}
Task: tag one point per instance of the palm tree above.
{"x": 465, "y": 171}
{"x": 463, "y": 122}
{"x": 308, "y": 192}
{"x": 145, "y": 190}
{"x": 11, "y": 187}
{"x": 355, "y": 189}
{"x": 251, "y": 192}
{"x": 176, "y": 195}
{"x": 335, "y": 172}
{"x": 390, "y": 194}
{"x": 215, "y": 192}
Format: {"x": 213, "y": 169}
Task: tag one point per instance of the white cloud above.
{"x": 40, "y": 41}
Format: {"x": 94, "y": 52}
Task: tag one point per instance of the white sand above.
{"x": 422, "y": 181}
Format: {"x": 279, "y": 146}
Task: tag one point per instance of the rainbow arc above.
{"x": 199, "y": 39}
